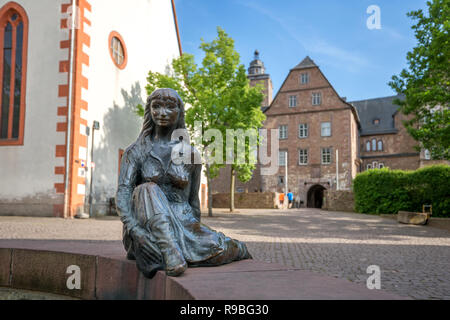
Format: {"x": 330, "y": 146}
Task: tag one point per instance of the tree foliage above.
{"x": 219, "y": 96}
{"x": 426, "y": 81}
{"x": 389, "y": 191}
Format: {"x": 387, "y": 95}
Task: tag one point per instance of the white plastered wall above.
{"x": 149, "y": 33}
{"x": 27, "y": 175}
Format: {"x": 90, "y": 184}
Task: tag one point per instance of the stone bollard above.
{"x": 416, "y": 218}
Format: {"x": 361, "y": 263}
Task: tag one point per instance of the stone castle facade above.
{"x": 326, "y": 139}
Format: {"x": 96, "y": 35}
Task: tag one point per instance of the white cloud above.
{"x": 341, "y": 57}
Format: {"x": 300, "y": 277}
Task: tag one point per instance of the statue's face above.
{"x": 165, "y": 111}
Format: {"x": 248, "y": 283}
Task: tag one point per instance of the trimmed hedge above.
{"x": 389, "y": 191}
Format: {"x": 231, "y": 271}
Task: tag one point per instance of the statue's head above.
{"x": 164, "y": 108}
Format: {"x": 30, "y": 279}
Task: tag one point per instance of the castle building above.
{"x": 325, "y": 140}
{"x": 318, "y": 133}
{"x": 71, "y": 74}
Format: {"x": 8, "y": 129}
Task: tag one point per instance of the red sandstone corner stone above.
{"x": 5, "y": 267}
{"x": 116, "y": 279}
{"x": 46, "y": 271}
{"x": 176, "y": 291}
{"x": 120, "y": 279}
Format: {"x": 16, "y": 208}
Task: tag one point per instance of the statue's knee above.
{"x": 148, "y": 187}
{"x": 151, "y": 186}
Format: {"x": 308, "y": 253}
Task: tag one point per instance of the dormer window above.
{"x": 292, "y": 101}
{"x": 304, "y": 78}
{"x": 316, "y": 99}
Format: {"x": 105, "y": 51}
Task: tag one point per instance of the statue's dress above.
{"x": 158, "y": 204}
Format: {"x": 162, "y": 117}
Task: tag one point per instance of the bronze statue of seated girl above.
{"x": 157, "y": 198}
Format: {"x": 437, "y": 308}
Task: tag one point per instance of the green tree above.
{"x": 426, "y": 81}
{"x": 220, "y": 98}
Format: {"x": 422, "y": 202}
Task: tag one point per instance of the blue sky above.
{"x": 357, "y": 61}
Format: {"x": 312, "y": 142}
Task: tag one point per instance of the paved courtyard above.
{"x": 414, "y": 260}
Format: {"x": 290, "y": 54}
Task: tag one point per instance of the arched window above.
{"x": 374, "y": 145}
{"x": 13, "y": 62}
{"x": 380, "y": 145}
{"x": 368, "y": 146}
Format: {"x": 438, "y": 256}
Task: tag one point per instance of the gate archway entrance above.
{"x": 315, "y": 196}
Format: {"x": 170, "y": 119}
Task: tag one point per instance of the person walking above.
{"x": 290, "y": 199}
{"x": 281, "y": 200}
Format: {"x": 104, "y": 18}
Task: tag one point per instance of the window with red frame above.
{"x": 13, "y": 46}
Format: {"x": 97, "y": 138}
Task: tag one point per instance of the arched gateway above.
{"x": 315, "y": 196}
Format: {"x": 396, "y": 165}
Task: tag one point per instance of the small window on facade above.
{"x": 326, "y": 129}
{"x": 316, "y": 99}
{"x": 376, "y": 121}
{"x": 240, "y": 190}
{"x": 303, "y": 156}
{"x": 369, "y": 166}
{"x": 292, "y": 101}
{"x": 303, "y": 130}
{"x": 427, "y": 154}
{"x": 282, "y": 158}
{"x": 304, "y": 78}
{"x": 283, "y": 130}
{"x": 368, "y": 146}
{"x": 326, "y": 155}
{"x": 381, "y": 165}
{"x": 375, "y": 164}
{"x": 281, "y": 180}
{"x": 380, "y": 145}
{"x": 118, "y": 50}
{"x": 374, "y": 145}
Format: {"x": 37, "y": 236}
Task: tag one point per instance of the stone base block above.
{"x": 106, "y": 274}
{"x": 417, "y": 218}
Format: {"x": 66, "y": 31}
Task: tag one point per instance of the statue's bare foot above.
{"x": 175, "y": 263}
{"x": 177, "y": 270}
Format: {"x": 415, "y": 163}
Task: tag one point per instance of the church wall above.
{"x": 32, "y": 176}
{"x": 149, "y": 34}
{"x": 27, "y": 172}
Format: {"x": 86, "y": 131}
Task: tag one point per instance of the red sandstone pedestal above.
{"x": 106, "y": 274}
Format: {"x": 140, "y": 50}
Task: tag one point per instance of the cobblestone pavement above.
{"x": 414, "y": 260}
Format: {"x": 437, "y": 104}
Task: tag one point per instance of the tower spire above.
{"x": 256, "y": 66}
{"x": 257, "y": 74}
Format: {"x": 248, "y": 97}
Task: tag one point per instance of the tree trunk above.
{"x": 233, "y": 181}
{"x": 208, "y": 179}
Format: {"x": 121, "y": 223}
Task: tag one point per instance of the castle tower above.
{"x": 257, "y": 74}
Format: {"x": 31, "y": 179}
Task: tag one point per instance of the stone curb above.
{"x": 107, "y": 275}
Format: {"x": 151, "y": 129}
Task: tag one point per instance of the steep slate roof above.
{"x": 306, "y": 63}
{"x": 382, "y": 109}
